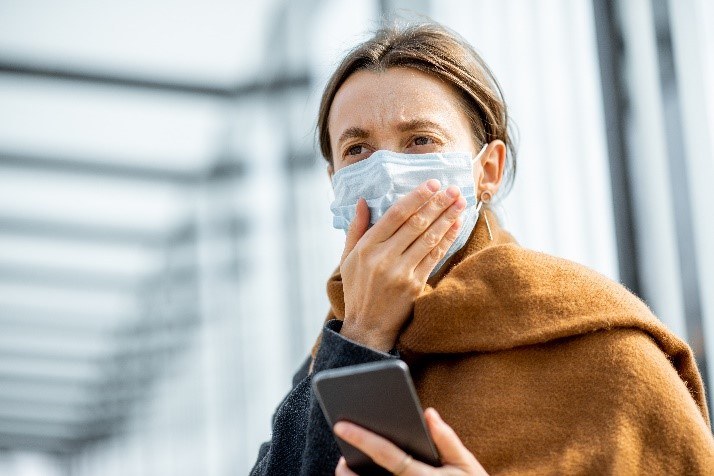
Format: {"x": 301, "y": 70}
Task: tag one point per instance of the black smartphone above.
{"x": 379, "y": 396}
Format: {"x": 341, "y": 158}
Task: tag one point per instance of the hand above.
{"x": 456, "y": 458}
{"x": 385, "y": 268}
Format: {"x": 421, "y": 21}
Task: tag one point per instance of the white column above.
{"x": 650, "y": 184}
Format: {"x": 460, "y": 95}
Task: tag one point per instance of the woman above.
{"x": 538, "y": 364}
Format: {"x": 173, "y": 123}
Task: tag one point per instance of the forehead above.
{"x": 382, "y": 100}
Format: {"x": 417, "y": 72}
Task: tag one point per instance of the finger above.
{"x": 357, "y": 229}
{"x": 452, "y": 450}
{"x": 433, "y": 235}
{"x": 423, "y": 218}
{"x": 405, "y": 207}
{"x": 382, "y": 451}
{"x": 426, "y": 266}
{"x": 342, "y": 469}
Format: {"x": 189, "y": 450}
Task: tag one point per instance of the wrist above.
{"x": 372, "y": 338}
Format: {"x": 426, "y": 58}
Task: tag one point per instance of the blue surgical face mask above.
{"x": 385, "y": 177}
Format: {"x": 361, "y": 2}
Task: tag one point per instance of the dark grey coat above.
{"x": 302, "y": 441}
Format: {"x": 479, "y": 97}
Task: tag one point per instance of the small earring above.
{"x": 486, "y": 197}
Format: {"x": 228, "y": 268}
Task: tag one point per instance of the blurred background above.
{"x": 165, "y": 233}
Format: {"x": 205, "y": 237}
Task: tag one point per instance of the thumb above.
{"x": 357, "y": 228}
{"x": 452, "y": 450}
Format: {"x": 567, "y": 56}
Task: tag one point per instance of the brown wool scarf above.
{"x": 543, "y": 366}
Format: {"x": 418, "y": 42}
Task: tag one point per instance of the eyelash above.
{"x": 422, "y": 137}
{"x": 347, "y": 152}
{"x": 430, "y": 140}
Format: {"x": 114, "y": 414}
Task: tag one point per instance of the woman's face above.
{"x": 401, "y": 110}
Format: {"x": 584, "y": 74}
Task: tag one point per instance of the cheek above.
{"x": 335, "y": 155}
{"x": 338, "y": 164}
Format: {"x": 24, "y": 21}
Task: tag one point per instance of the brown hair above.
{"x": 435, "y": 50}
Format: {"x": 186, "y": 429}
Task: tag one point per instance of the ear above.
{"x": 488, "y": 174}
{"x": 330, "y": 171}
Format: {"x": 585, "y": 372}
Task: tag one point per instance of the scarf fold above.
{"x": 495, "y": 302}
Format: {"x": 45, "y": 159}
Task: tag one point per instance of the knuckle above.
{"x": 399, "y": 213}
{"x": 450, "y": 236}
{"x": 433, "y": 207}
{"x": 452, "y": 233}
{"x": 405, "y": 282}
{"x": 418, "y": 222}
{"x": 382, "y": 453}
{"x": 442, "y": 200}
{"x": 377, "y": 265}
{"x": 391, "y": 274}
{"x": 431, "y": 239}
{"x": 453, "y": 213}
{"x": 360, "y": 251}
{"x": 400, "y": 269}
{"x": 436, "y": 253}
{"x": 416, "y": 286}
{"x": 423, "y": 193}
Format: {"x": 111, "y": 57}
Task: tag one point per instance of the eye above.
{"x": 422, "y": 140}
{"x": 356, "y": 150}
{"x": 420, "y": 144}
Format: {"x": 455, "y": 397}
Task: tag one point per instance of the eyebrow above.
{"x": 353, "y": 133}
{"x": 419, "y": 124}
{"x": 359, "y": 133}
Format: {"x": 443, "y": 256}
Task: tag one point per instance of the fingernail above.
{"x": 460, "y": 203}
{"x": 339, "y": 428}
{"x": 453, "y": 191}
{"x": 430, "y": 413}
{"x": 435, "y": 414}
{"x": 433, "y": 185}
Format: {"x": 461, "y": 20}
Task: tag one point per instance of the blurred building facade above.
{"x": 165, "y": 234}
